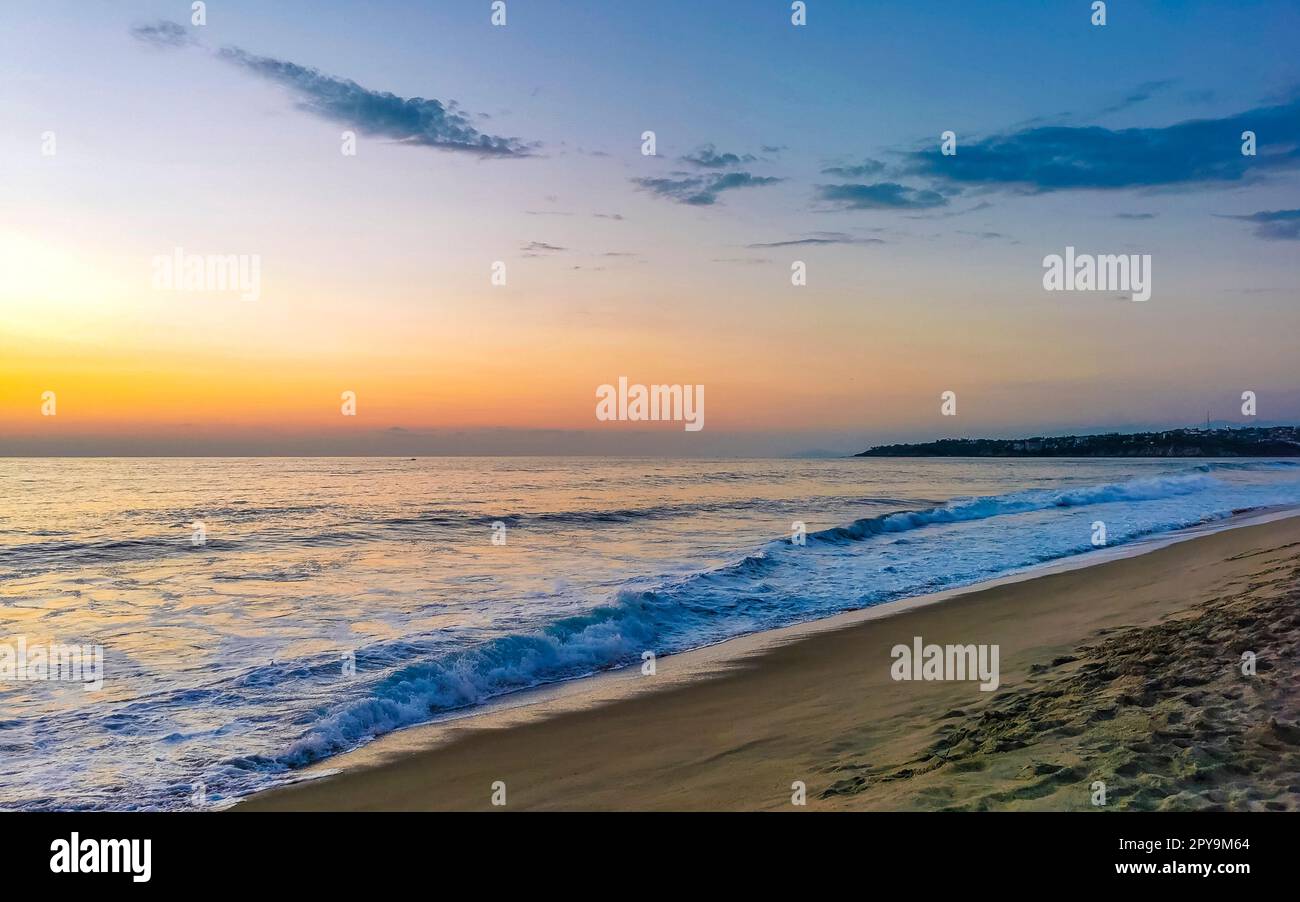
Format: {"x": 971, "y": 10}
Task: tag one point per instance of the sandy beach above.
{"x": 1128, "y": 672}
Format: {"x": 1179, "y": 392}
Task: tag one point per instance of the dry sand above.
{"x": 1128, "y": 672}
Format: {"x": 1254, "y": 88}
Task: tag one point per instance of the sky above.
{"x": 127, "y": 132}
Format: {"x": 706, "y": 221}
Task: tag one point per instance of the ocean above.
{"x": 259, "y": 615}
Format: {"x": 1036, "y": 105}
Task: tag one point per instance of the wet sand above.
{"x": 1128, "y": 673}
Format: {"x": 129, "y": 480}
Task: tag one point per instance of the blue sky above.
{"x": 775, "y": 143}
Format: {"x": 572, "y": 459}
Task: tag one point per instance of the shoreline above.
{"x": 389, "y": 771}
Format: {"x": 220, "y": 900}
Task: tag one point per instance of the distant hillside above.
{"x": 1275, "y": 441}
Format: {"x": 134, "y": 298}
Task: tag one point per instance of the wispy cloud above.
{"x": 880, "y": 196}
{"x": 415, "y": 121}
{"x": 816, "y": 238}
{"x": 701, "y": 191}
{"x": 949, "y": 214}
{"x": 1141, "y": 94}
{"x": 707, "y": 157}
{"x": 988, "y": 236}
{"x": 865, "y": 169}
{"x": 408, "y": 120}
{"x": 164, "y": 34}
{"x": 1135, "y": 215}
{"x": 534, "y": 248}
{"x": 1275, "y": 225}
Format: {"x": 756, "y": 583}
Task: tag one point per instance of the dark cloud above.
{"x": 163, "y": 34}
{"x": 1135, "y": 216}
{"x": 707, "y": 157}
{"x": 865, "y": 169}
{"x": 407, "y": 120}
{"x": 1275, "y": 225}
{"x": 535, "y": 247}
{"x": 1062, "y": 158}
{"x": 880, "y": 196}
{"x": 701, "y": 191}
